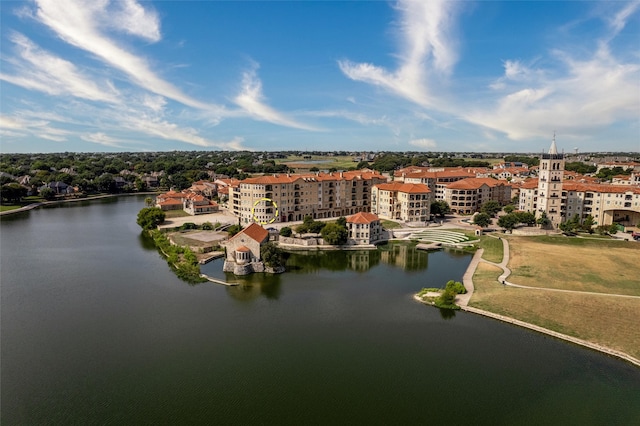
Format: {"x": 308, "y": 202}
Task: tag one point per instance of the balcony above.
{"x": 627, "y": 205}
{"x": 556, "y": 179}
{"x": 627, "y": 197}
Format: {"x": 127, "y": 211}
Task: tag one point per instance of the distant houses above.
{"x": 187, "y": 200}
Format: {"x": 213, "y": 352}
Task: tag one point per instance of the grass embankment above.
{"x": 493, "y": 249}
{"x": 181, "y": 259}
{"x": 558, "y": 262}
{"x": 389, "y": 224}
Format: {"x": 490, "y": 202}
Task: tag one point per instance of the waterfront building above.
{"x": 243, "y": 250}
{"x": 561, "y": 199}
{"x": 291, "y": 197}
{"x": 406, "y": 202}
{"x": 466, "y": 196}
{"x": 364, "y": 228}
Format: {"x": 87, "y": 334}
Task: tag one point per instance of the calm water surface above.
{"x": 96, "y": 329}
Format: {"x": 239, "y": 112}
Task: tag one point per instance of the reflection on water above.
{"x": 250, "y": 287}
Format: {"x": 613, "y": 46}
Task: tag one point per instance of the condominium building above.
{"x": 291, "y": 197}
{"x": 466, "y": 196}
{"x": 407, "y": 202}
{"x": 437, "y": 179}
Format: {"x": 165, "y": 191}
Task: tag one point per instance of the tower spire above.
{"x": 553, "y": 149}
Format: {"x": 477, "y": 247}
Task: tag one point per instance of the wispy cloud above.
{"x": 43, "y": 129}
{"x": 82, "y": 25}
{"x": 37, "y": 69}
{"x": 251, "y": 100}
{"x": 580, "y": 96}
{"x": 427, "y": 51}
{"x": 102, "y": 139}
{"x": 171, "y": 131}
{"x": 423, "y": 143}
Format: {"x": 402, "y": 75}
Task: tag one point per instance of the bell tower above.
{"x": 550, "y": 184}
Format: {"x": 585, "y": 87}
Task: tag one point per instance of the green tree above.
{"x": 13, "y": 192}
{"x": 543, "y": 220}
{"x": 440, "y": 208}
{"x": 482, "y": 219}
{"x": 148, "y": 201}
{"x": 491, "y": 208}
{"x": 271, "y": 255}
{"x": 48, "y": 193}
{"x": 587, "y": 224}
{"x": 456, "y": 286}
{"x": 509, "y": 208}
{"x": 286, "y": 231}
{"x": 527, "y": 218}
{"x": 150, "y": 217}
{"x": 233, "y": 230}
{"x": 334, "y": 234}
{"x": 508, "y": 222}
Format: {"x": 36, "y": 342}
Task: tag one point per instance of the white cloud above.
{"x": 101, "y": 139}
{"x": 21, "y": 126}
{"x": 251, "y": 100}
{"x": 171, "y": 131}
{"x": 583, "y": 95}
{"x": 423, "y": 143}
{"x": 80, "y": 23}
{"x": 427, "y": 52}
{"x": 130, "y": 17}
{"x": 37, "y": 69}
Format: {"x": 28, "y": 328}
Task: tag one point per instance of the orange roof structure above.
{"x": 411, "y": 188}
{"x": 362, "y": 217}
{"x": 243, "y": 248}
{"x": 253, "y": 231}
{"x": 475, "y": 183}
{"x": 313, "y": 177}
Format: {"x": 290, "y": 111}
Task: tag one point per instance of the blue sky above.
{"x": 483, "y": 76}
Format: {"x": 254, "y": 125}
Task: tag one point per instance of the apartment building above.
{"x": 437, "y": 179}
{"x": 407, "y": 202}
{"x": 291, "y": 197}
{"x": 466, "y": 196}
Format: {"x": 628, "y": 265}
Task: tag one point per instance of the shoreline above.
{"x": 468, "y": 283}
{"x": 33, "y": 206}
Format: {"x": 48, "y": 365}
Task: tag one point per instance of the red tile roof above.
{"x": 253, "y": 231}
{"x": 475, "y": 183}
{"x": 362, "y": 217}
{"x": 412, "y": 188}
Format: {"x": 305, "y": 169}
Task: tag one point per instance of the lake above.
{"x": 97, "y": 329}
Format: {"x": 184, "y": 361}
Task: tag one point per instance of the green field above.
{"x": 322, "y": 162}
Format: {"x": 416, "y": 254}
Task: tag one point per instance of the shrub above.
{"x": 286, "y": 231}
{"x": 456, "y": 286}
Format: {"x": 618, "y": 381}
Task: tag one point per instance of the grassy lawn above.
{"x": 493, "y": 249}
{"x": 175, "y": 213}
{"x": 610, "y": 321}
{"x": 389, "y": 224}
{"x": 7, "y": 208}
{"x": 604, "y": 266}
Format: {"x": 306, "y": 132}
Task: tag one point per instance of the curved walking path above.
{"x": 463, "y": 301}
